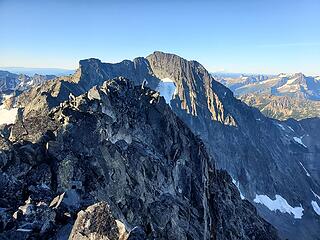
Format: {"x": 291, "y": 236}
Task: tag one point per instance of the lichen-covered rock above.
{"x": 97, "y": 223}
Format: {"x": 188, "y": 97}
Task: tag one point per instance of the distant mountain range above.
{"x": 280, "y": 96}
{"x": 12, "y": 84}
{"x": 40, "y": 71}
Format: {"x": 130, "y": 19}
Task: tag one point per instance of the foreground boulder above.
{"x": 97, "y": 222}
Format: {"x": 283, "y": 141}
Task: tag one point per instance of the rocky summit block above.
{"x": 116, "y": 163}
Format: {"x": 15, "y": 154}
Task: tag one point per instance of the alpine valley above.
{"x": 156, "y": 148}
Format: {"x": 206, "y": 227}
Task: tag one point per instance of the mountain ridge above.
{"x": 119, "y": 136}
{"x": 254, "y": 149}
{"x": 280, "y": 96}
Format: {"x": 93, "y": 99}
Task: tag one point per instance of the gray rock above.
{"x": 97, "y": 223}
{"x": 137, "y": 233}
{"x": 69, "y": 200}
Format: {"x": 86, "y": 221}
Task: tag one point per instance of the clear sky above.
{"x": 253, "y": 36}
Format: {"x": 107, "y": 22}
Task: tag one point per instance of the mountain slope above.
{"x": 308, "y": 133}
{"x": 263, "y": 159}
{"x": 12, "y": 85}
{"x": 120, "y": 152}
{"x": 283, "y": 107}
{"x": 10, "y": 81}
{"x": 283, "y": 96}
{"x": 293, "y": 85}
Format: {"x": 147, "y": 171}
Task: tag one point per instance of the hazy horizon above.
{"x": 53, "y": 70}
{"x": 268, "y": 37}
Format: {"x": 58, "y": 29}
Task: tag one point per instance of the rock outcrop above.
{"x": 97, "y": 223}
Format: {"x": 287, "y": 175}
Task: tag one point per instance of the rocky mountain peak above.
{"x": 194, "y": 85}
{"x": 116, "y": 162}
{"x": 195, "y": 91}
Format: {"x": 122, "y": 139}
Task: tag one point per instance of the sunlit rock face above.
{"x": 280, "y": 96}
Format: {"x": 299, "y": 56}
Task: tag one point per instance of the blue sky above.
{"x": 269, "y": 36}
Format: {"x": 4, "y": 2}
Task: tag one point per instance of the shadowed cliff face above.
{"x": 121, "y": 155}
{"x": 261, "y": 154}
{"x": 308, "y": 131}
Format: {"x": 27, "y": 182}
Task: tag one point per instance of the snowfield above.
{"x": 281, "y": 126}
{"x": 237, "y": 183}
{"x": 7, "y": 116}
{"x": 167, "y": 89}
{"x": 279, "y": 204}
{"x": 316, "y": 195}
{"x": 316, "y": 207}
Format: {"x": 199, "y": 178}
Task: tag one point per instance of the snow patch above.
{"x": 316, "y": 207}
{"x": 281, "y": 126}
{"x": 316, "y": 195}
{"x": 167, "y": 89}
{"x": 290, "y": 81}
{"x": 30, "y": 83}
{"x": 308, "y": 174}
{"x": 166, "y": 80}
{"x": 280, "y": 204}
{"x": 298, "y": 140}
{"x": 6, "y": 96}
{"x": 7, "y": 116}
{"x": 237, "y": 183}
{"x": 23, "y": 230}
{"x": 290, "y": 128}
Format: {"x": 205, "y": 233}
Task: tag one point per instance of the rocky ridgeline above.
{"x": 116, "y": 163}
